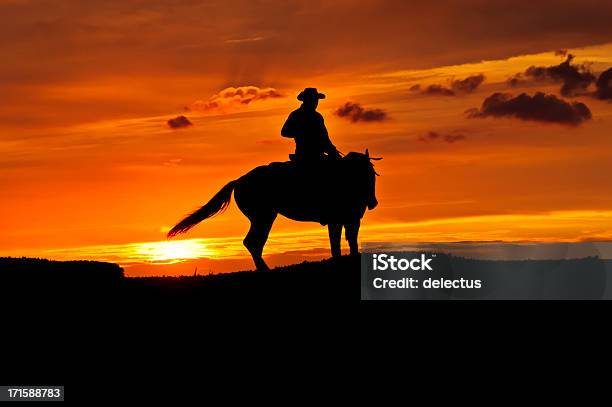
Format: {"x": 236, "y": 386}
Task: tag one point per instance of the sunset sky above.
{"x": 91, "y": 169}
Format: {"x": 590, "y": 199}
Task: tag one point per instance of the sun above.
{"x": 171, "y": 251}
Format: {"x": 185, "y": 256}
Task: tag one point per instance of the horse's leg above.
{"x": 255, "y": 240}
{"x": 335, "y": 234}
{"x": 351, "y": 232}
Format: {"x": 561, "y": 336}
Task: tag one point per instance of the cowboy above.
{"x": 307, "y": 127}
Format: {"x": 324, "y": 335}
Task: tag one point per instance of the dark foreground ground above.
{"x": 43, "y": 284}
{"x": 84, "y": 325}
{"x": 67, "y": 323}
{"x": 36, "y": 281}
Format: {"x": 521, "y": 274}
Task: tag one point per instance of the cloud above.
{"x": 515, "y": 80}
{"x": 233, "y": 97}
{"x": 539, "y": 107}
{"x": 437, "y": 90}
{"x": 455, "y": 87}
{"x": 356, "y": 113}
{"x": 451, "y": 138}
{"x": 179, "y": 122}
{"x": 243, "y": 40}
{"x": 604, "y": 85}
{"x": 575, "y": 78}
{"x": 561, "y": 52}
{"x": 448, "y": 138}
{"x": 467, "y": 85}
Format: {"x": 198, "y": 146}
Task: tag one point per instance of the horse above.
{"x": 335, "y": 193}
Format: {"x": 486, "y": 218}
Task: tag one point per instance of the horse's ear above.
{"x": 367, "y": 153}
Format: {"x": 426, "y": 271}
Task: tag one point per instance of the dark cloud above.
{"x": 561, "y": 52}
{"x": 231, "y": 97}
{"x": 356, "y": 113}
{"x": 574, "y": 77}
{"x": 451, "y": 138}
{"x": 438, "y": 90}
{"x": 515, "y": 80}
{"x": 604, "y": 85}
{"x": 179, "y": 122}
{"x": 467, "y": 85}
{"x": 455, "y": 87}
{"x": 448, "y": 138}
{"x": 539, "y": 107}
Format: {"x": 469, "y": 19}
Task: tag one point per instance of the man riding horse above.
{"x": 335, "y": 192}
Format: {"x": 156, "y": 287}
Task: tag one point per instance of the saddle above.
{"x": 310, "y": 168}
{"x": 296, "y": 158}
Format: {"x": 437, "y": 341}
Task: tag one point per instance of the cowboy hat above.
{"x": 310, "y": 92}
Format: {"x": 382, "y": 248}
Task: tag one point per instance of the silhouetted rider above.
{"x": 307, "y": 127}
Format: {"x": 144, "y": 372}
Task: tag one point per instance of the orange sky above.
{"x": 90, "y": 169}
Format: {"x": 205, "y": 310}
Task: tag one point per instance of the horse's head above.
{"x": 366, "y": 171}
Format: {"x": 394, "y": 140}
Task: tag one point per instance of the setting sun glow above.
{"x": 171, "y": 251}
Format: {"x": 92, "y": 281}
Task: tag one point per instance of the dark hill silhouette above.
{"x": 336, "y": 278}
{"x": 39, "y": 282}
{"x": 24, "y": 268}
{"x": 26, "y": 282}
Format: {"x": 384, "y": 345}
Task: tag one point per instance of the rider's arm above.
{"x": 288, "y": 127}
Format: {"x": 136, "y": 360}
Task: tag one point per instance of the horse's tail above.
{"x": 217, "y": 204}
